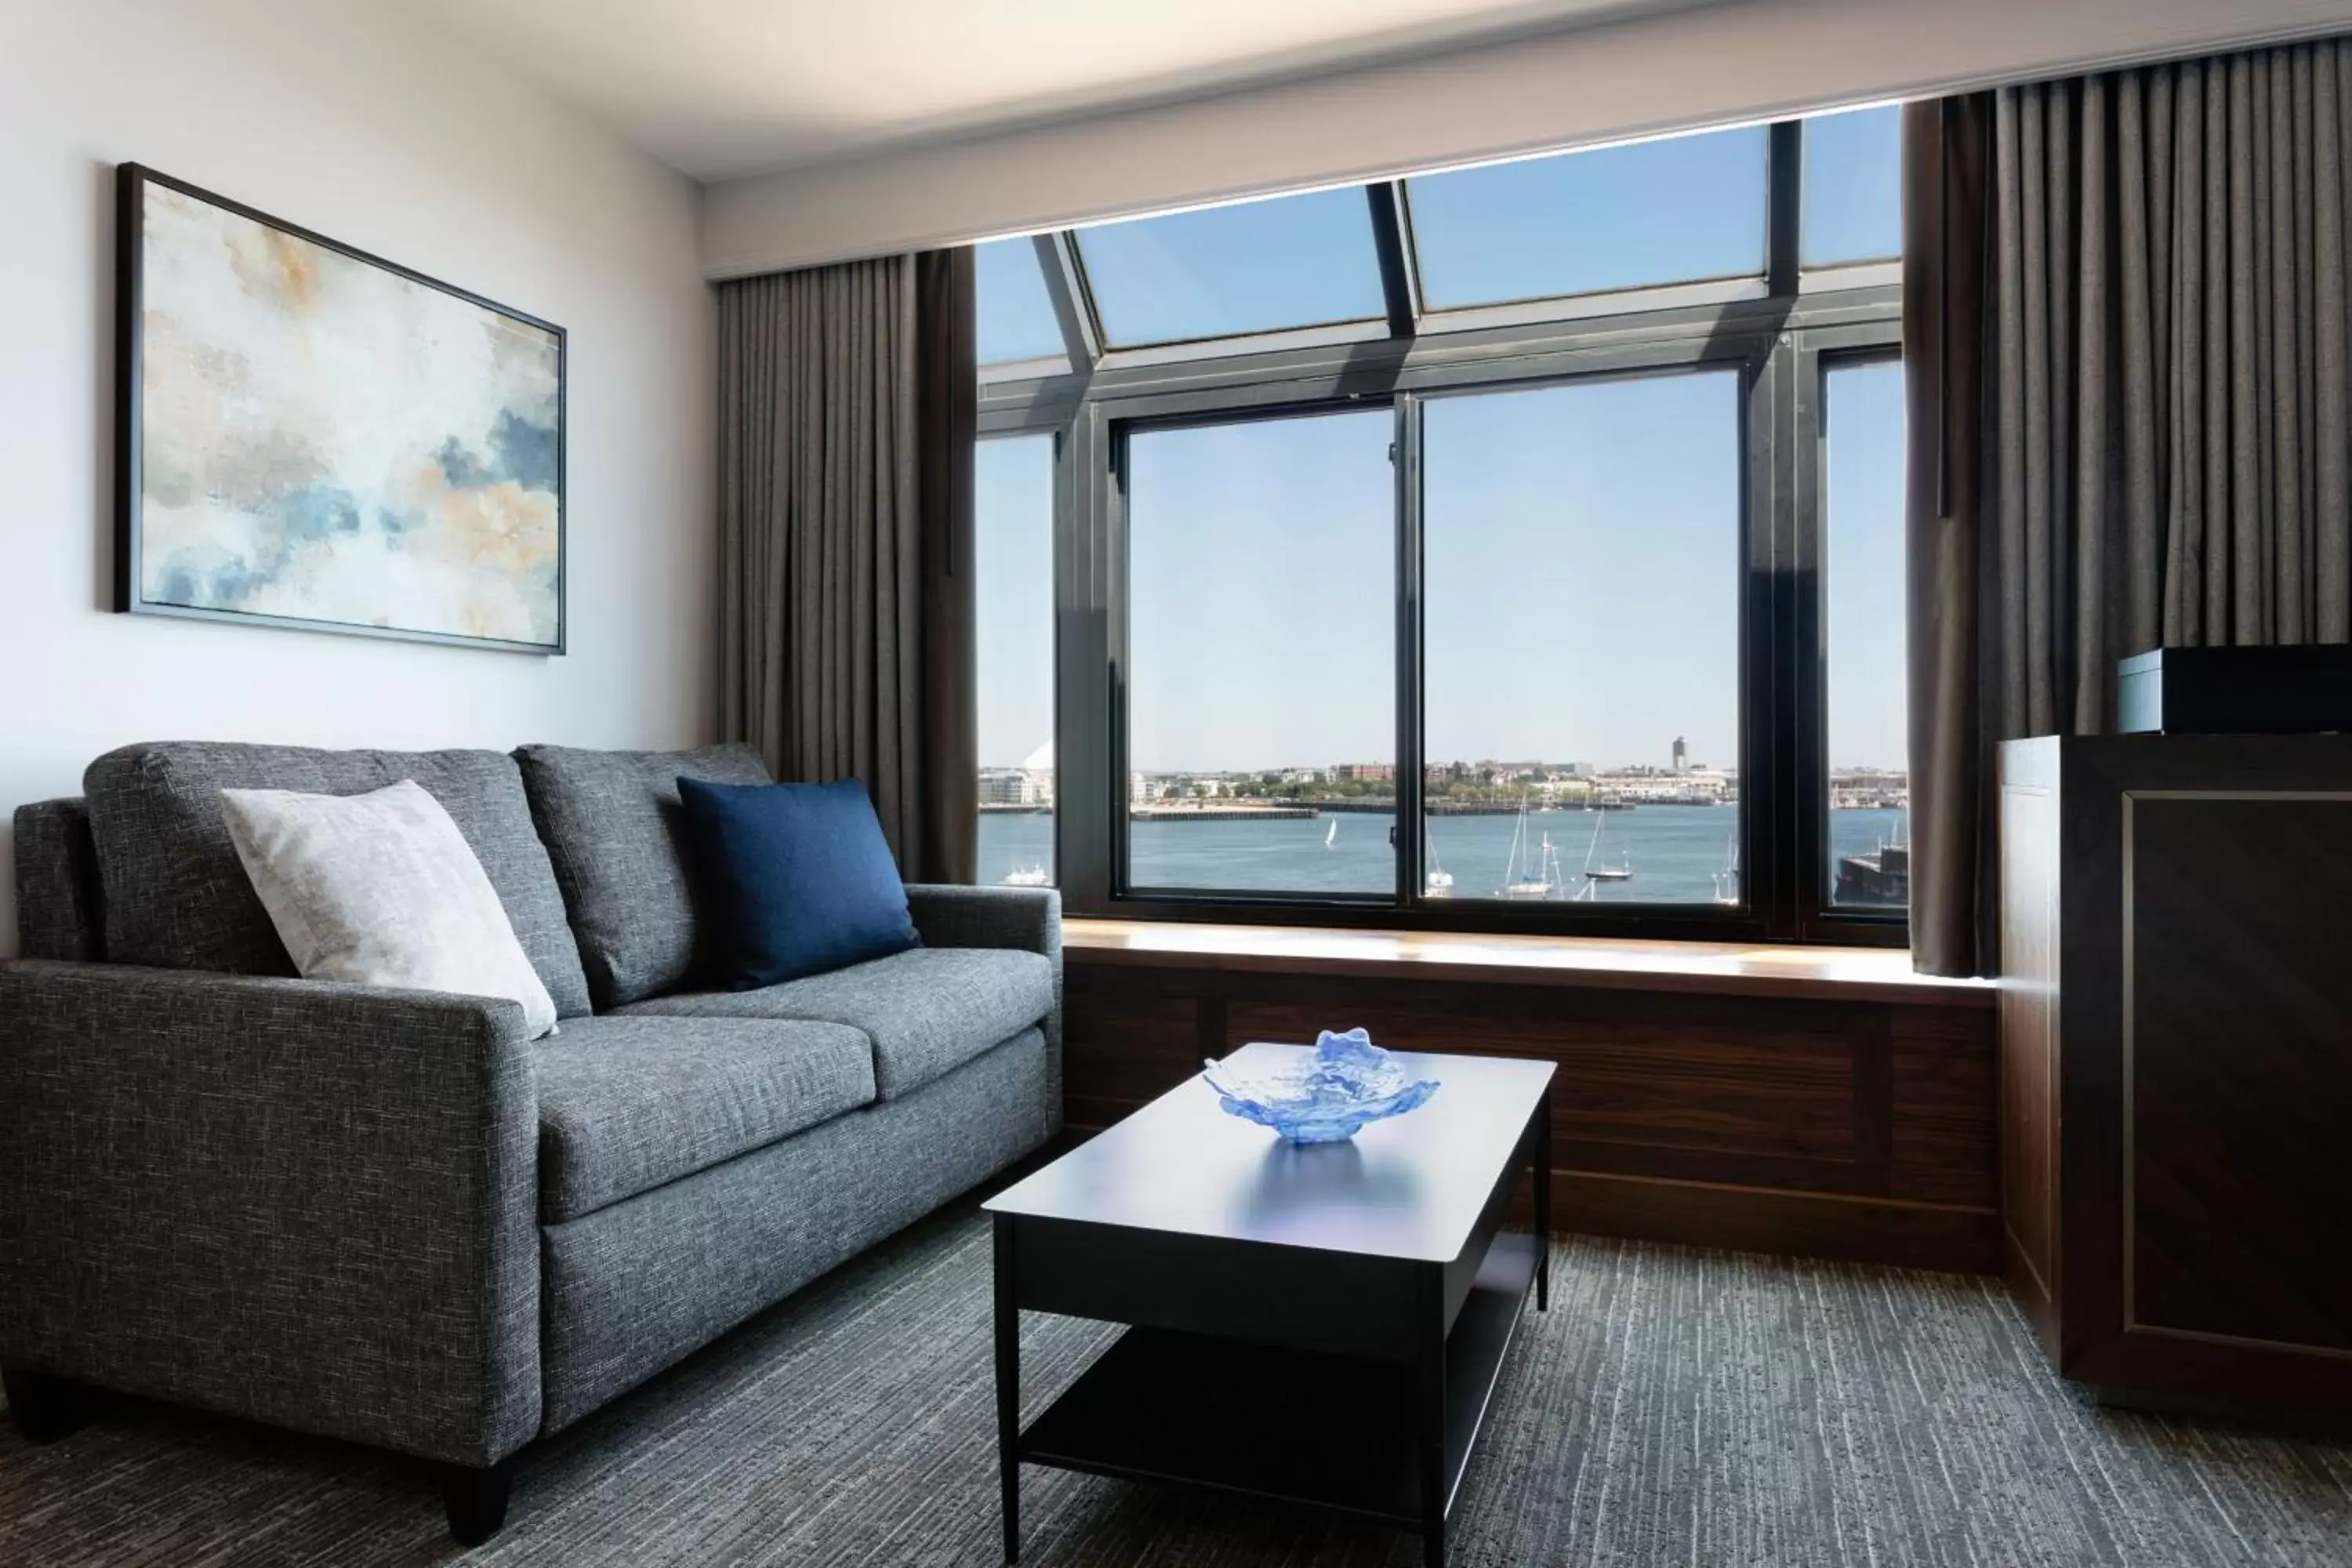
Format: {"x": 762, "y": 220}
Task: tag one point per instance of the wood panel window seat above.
{"x": 1811, "y": 1101}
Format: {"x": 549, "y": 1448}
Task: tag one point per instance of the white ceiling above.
{"x": 722, "y": 87}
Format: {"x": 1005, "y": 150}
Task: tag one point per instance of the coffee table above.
{"x": 1322, "y": 1324}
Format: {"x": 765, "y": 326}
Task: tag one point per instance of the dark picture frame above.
{"x": 132, "y": 183}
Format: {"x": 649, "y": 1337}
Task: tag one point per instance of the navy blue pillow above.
{"x": 796, "y": 880}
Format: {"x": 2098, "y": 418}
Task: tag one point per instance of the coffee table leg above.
{"x": 1429, "y": 1414}
{"x": 1008, "y": 1390}
{"x": 1543, "y": 1202}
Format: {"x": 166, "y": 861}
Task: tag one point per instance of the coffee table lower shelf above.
{"x": 1331, "y": 1431}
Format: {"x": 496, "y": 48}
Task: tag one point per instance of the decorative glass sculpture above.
{"x": 1348, "y": 1082}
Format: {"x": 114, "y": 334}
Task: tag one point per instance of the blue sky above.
{"x": 1582, "y": 555}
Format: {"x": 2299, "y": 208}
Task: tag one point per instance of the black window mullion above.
{"x": 1782, "y": 792}
{"x": 1073, "y": 299}
{"x": 1389, "y": 236}
{"x": 1763, "y": 794}
{"x": 1808, "y": 703}
{"x": 1784, "y": 208}
{"x": 1411, "y": 860}
{"x": 1085, "y": 745}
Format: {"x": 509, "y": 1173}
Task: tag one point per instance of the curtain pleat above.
{"x": 824, "y": 560}
{"x": 2148, "y": 291}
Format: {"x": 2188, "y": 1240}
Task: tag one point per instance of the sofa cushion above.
{"x": 380, "y": 889}
{"x": 798, "y": 878}
{"x": 612, "y": 826}
{"x": 177, "y": 898}
{"x": 928, "y": 1010}
{"x": 628, "y": 1104}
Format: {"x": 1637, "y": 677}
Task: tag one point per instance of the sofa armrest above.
{"x": 1030, "y": 918}
{"x": 946, "y": 915}
{"x": 311, "y": 1205}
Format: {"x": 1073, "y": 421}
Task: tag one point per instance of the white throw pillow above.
{"x": 381, "y": 889}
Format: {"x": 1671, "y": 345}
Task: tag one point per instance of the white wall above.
{"x": 1682, "y": 69}
{"x": 365, "y": 126}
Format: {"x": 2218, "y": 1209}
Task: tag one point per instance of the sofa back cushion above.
{"x": 177, "y": 897}
{"x": 611, "y": 821}
{"x": 58, "y": 905}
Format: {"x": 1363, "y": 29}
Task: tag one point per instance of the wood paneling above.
{"x": 2178, "y": 1063}
{"x": 1839, "y": 1127}
{"x": 2029, "y": 1029}
{"x": 2238, "y": 1059}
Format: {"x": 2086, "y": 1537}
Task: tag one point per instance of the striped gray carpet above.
{"x": 1673, "y": 1407}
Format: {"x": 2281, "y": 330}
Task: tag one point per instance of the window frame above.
{"x": 1782, "y": 336}
{"x": 1824, "y": 919}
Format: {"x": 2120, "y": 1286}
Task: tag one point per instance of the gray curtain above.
{"x": 2125, "y": 296}
{"x": 845, "y": 413}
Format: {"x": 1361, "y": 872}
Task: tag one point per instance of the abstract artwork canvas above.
{"x": 311, "y": 437}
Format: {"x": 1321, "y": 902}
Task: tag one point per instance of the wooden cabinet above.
{"x": 2175, "y": 1039}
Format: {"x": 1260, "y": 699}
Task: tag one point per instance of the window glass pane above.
{"x": 1260, "y": 680}
{"x": 1297, "y": 261}
{"x": 1582, "y": 572}
{"x": 1853, "y": 187}
{"x": 1016, "y": 316}
{"x": 1870, "y": 788}
{"x": 1012, "y": 584}
{"x": 1674, "y": 211}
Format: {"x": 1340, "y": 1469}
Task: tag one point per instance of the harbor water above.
{"x": 1677, "y": 853}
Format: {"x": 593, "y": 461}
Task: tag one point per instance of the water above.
{"x": 1676, "y": 851}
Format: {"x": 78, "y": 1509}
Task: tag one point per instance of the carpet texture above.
{"x": 1674, "y": 1407}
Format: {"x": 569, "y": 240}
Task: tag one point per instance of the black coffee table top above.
{"x": 1412, "y": 1187}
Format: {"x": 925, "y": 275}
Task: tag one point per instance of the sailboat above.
{"x": 1620, "y": 872}
{"x": 1029, "y": 876}
{"x": 1332, "y": 837}
{"x": 1727, "y": 881}
{"x": 1438, "y": 882}
{"x": 1530, "y": 874}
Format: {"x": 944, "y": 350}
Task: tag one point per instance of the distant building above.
{"x": 1682, "y": 754}
{"x": 1037, "y": 768}
{"x": 1006, "y": 786}
{"x": 1365, "y": 773}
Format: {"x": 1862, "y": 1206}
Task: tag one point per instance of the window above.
{"x": 1582, "y": 627}
{"x": 1866, "y": 709}
{"x": 1016, "y": 319}
{"x": 1674, "y": 211}
{"x": 1514, "y": 548}
{"x": 1261, "y": 594}
{"x": 1013, "y": 586}
{"x": 1299, "y": 261}
{"x": 1853, "y": 187}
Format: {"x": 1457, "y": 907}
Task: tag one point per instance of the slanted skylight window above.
{"x": 1680, "y": 210}
{"x": 1853, "y": 187}
{"x": 1017, "y": 315}
{"x": 1293, "y": 261}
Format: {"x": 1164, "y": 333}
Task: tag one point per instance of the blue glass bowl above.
{"x": 1330, "y": 1096}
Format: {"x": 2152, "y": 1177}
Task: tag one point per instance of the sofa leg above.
{"x": 45, "y": 1408}
{"x": 478, "y": 1499}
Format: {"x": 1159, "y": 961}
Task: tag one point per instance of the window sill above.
{"x": 1732, "y": 969}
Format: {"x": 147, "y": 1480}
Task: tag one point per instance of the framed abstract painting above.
{"x": 310, "y": 436}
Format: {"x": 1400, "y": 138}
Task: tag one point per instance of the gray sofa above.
{"x": 384, "y": 1216}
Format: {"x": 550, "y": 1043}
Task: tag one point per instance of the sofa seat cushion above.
{"x": 927, "y": 1011}
{"x": 178, "y": 898}
{"x": 626, "y": 1105}
{"x": 612, "y": 824}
